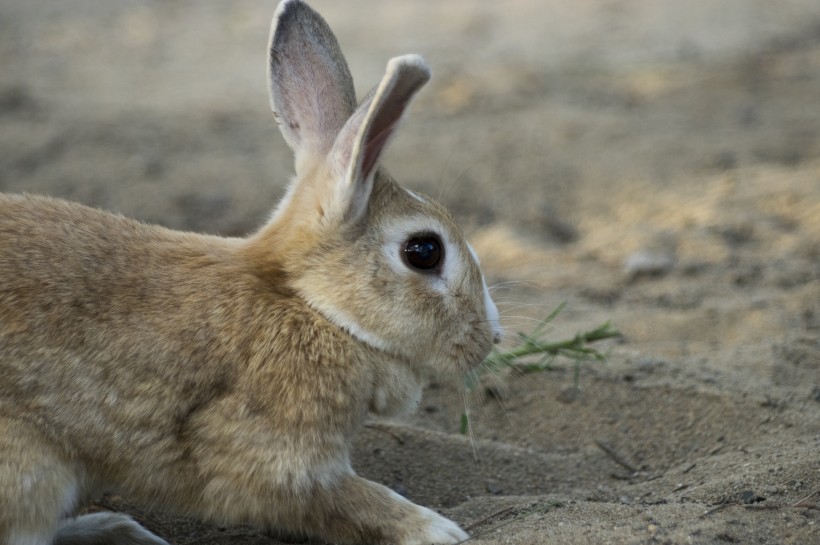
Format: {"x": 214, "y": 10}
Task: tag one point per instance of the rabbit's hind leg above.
{"x": 37, "y": 486}
{"x": 105, "y": 529}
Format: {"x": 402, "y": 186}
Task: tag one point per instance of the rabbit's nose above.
{"x": 497, "y": 336}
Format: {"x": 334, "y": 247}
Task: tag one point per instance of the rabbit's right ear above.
{"x": 311, "y": 89}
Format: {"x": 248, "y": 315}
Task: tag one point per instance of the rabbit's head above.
{"x": 387, "y": 265}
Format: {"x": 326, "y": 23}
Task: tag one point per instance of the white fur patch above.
{"x": 434, "y": 528}
{"x": 489, "y": 304}
{"x": 346, "y": 322}
{"x": 111, "y": 528}
{"x": 438, "y": 530}
{"x": 416, "y": 196}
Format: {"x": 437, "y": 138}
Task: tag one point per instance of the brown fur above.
{"x": 201, "y": 374}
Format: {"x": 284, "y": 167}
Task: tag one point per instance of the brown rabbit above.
{"x": 224, "y": 378}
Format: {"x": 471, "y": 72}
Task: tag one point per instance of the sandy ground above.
{"x": 650, "y": 162}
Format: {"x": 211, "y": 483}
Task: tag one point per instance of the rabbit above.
{"x": 223, "y": 378}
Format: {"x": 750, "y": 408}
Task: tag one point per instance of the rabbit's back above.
{"x": 78, "y": 278}
{"x": 112, "y": 330}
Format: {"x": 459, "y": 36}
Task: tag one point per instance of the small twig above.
{"x": 800, "y": 501}
{"x": 518, "y": 358}
{"x": 566, "y": 347}
{"x": 617, "y": 458}
{"x": 527, "y": 511}
{"x": 716, "y": 509}
{"x": 493, "y": 529}
{"x": 384, "y": 428}
{"x": 765, "y": 507}
{"x": 489, "y": 517}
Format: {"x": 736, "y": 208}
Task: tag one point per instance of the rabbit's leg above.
{"x": 37, "y": 486}
{"x": 104, "y": 529}
{"x": 356, "y": 510}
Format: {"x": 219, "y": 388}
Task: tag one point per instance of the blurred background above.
{"x": 655, "y": 163}
{"x": 158, "y": 108}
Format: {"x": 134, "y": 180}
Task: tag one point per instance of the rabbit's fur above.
{"x": 223, "y": 378}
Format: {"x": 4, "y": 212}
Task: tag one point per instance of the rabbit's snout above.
{"x": 492, "y": 315}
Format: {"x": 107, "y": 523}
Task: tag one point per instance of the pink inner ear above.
{"x": 373, "y": 148}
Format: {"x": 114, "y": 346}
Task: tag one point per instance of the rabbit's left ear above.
{"x": 356, "y": 151}
{"x": 311, "y": 90}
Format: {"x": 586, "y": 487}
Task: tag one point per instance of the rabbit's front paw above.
{"x": 437, "y": 530}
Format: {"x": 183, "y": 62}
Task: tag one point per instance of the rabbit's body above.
{"x": 140, "y": 389}
{"x": 139, "y": 379}
{"x": 222, "y": 377}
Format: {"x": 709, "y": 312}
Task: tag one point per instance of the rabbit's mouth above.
{"x": 473, "y": 349}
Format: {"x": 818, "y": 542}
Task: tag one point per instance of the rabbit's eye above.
{"x": 423, "y": 252}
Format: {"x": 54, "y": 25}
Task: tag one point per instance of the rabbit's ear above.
{"x": 311, "y": 91}
{"x": 356, "y": 151}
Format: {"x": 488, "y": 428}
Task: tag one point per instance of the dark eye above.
{"x": 423, "y": 252}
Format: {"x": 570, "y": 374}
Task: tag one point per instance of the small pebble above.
{"x": 648, "y": 263}
{"x": 749, "y": 497}
{"x": 493, "y": 488}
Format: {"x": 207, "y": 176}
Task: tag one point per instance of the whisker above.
{"x": 507, "y": 318}
{"x": 522, "y": 304}
{"x": 524, "y": 319}
{"x": 476, "y": 455}
{"x": 441, "y": 181}
{"x": 513, "y": 283}
{"x": 527, "y": 316}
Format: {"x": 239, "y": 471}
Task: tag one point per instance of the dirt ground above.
{"x": 650, "y": 162}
